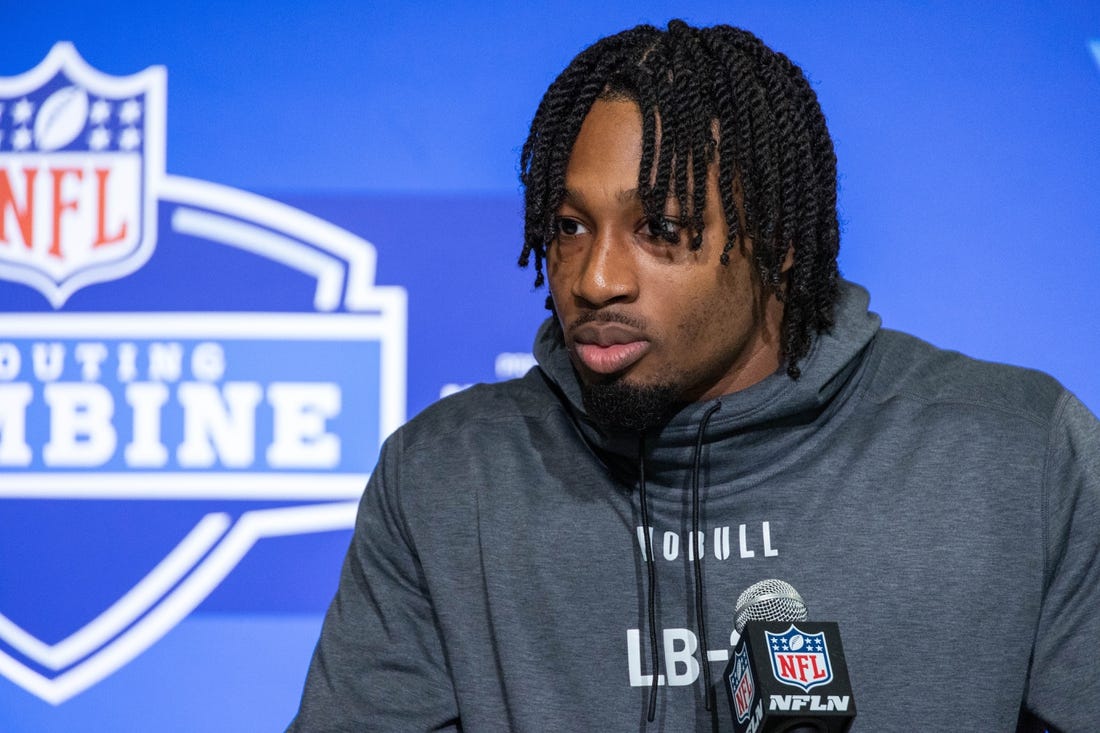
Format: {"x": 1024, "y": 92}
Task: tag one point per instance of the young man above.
{"x": 713, "y": 406}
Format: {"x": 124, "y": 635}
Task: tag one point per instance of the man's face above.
{"x": 638, "y": 312}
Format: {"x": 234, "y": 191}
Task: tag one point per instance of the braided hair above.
{"x": 776, "y": 164}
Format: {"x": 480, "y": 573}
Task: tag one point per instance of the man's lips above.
{"x": 608, "y": 347}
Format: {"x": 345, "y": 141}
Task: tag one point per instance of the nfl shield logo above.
{"x": 741, "y": 685}
{"x": 800, "y": 659}
{"x": 81, "y": 154}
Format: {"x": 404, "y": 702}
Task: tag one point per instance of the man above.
{"x": 713, "y": 406}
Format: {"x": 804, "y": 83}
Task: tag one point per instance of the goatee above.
{"x": 619, "y": 406}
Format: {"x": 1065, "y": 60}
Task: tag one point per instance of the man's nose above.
{"x": 608, "y": 273}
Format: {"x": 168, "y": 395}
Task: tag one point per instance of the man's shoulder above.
{"x": 484, "y": 408}
{"x": 909, "y": 367}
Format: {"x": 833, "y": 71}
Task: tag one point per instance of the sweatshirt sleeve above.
{"x": 379, "y": 664}
{"x": 1064, "y": 682}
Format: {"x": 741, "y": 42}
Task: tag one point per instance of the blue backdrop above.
{"x": 335, "y": 222}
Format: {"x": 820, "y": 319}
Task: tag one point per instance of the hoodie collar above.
{"x": 761, "y": 423}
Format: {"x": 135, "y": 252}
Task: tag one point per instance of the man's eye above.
{"x": 664, "y": 228}
{"x": 570, "y": 227}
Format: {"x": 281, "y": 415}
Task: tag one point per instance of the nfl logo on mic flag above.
{"x": 741, "y": 687}
{"x": 800, "y": 659}
{"x": 193, "y": 369}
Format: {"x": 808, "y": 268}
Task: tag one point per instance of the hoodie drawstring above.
{"x": 651, "y": 604}
{"x": 700, "y": 617}
{"x": 652, "y": 590}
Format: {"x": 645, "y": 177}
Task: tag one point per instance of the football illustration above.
{"x": 61, "y": 118}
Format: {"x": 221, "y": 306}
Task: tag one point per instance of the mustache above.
{"x": 607, "y": 317}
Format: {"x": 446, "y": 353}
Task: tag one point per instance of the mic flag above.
{"x": 786, "y": 677}
{"x": 787, "y": 674}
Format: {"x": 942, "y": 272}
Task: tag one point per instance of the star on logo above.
{"x": 130, "y": 112}
{"x": 99, "y": 138}
{"x": 22, "y": 111}
{"x": 101, "y": 112}
{"x": 21, "y": 140}
{"x": 129, "y": 139}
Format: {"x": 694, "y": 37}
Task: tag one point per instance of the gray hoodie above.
{"x": 944, "y": 511}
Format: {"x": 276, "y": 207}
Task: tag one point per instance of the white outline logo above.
{"x": 343, "y": 266}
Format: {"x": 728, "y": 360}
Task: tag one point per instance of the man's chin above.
{"x": 621, "y": 406}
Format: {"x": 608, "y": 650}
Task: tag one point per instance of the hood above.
{"x": 765, "y": 421}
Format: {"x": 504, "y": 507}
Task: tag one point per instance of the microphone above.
{"x": 787, "y": 674}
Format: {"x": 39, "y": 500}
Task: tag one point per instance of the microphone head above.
{"x": 769, "y": 600}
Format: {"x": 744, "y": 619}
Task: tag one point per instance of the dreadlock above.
{"x": 776, "y": 165}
